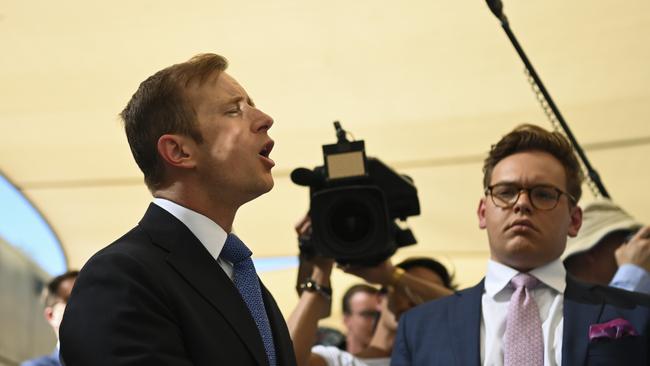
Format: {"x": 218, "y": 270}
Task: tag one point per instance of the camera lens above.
{"x": 350, "y": 221}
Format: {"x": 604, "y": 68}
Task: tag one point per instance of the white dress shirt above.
{"x": 211, "y": 235}
{"x": 549, "y": 297}
{"x": 336, "y": 357}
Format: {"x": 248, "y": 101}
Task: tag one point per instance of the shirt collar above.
{"x": 209, "y": 233}
{"x": 499, "y": 275}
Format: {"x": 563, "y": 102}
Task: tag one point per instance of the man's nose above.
{"x": 262, "y": 122}
{"x": 523, "y": 202}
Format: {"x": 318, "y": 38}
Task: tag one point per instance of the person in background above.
{"x": 527, "y": 310}
{"x": 405, "y": 285}
{"x": 611, "y": 248}
{"x": 55, "y": 298}
{"x": 360, "y": 307}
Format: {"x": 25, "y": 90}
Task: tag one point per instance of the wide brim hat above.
{"x": 599, "y": 218}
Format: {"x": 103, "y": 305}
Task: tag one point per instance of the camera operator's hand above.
{"x": 636, "y": 251}
{"x": 314, "y": 303}
{"x": 416, "y": 289}
{"x": 321, "y": 267}
{"x": 303, "y": 227}
{"x": 381, "y": 274}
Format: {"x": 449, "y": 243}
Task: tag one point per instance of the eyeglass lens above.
{"x": 542, "y": 197}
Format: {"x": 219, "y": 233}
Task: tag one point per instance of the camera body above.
{"x": 354, "y": 204}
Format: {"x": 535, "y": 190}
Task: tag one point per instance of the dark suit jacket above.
{"x": 157, "y": 297}
{"x": 49, "y": 360}
{"x": 447, "y": 331}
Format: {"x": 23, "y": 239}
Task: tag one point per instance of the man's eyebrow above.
{"x": 516, "y": 183}
{"x": 239, "y": 98}
{"x": 504, "y": 182}
{"x": 234, "y": 100}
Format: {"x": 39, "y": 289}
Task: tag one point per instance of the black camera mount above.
{"x": 355, "y": 201}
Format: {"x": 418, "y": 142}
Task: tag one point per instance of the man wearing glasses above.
{"x": 360, "y": 312}
{"x": 527, "y": 311}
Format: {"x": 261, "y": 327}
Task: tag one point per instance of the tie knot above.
{"x": 524, "y": 280}
{"x": 234, "y": 250}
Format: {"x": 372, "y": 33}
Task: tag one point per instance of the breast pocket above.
{"x": 625, "y": 351}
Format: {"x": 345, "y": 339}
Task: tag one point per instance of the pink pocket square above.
{"x": 613, "y": 329}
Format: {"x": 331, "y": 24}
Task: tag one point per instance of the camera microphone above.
{"x": 303, "y": 177}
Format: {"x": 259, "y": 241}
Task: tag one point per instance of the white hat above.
{"x": 599, "y": 218}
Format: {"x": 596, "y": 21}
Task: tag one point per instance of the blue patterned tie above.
{"x": 247, "y": 282}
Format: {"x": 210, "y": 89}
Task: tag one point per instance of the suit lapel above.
{"x": 579, "y": 313}
{"x": 464, "y": 325}
{"x": 195, "y": 264}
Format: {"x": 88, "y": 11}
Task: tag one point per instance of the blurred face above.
{"x": 54, "y": 313}
{"x": 233, "y": 159}
{"x": 597, "y": 265}
{"x": 523, "y": 237}
{"x": 360, "y": 323}
{"x": 399, "y": 301}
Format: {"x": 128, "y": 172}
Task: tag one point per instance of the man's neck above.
{"x": 381, "y": 344}
{"x": 352, "y": 345}
{"x": 221, "y": 213}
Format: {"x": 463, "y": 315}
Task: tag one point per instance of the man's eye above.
{"x": 505, "y": 192}
{"x": 545, "y": 194}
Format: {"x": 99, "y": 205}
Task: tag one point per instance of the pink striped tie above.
{"x": 523, "y": 340}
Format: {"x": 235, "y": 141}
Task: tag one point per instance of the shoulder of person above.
{"x": 42, "y": 361}
{"x": 333, "y": 355}
{"x": 593, "y": 293}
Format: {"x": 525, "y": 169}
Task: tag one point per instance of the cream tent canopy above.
{"x": 429, "y": 85}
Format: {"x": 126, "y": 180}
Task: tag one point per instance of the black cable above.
{"x": 497, "y": 8}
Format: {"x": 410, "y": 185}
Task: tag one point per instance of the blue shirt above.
{"x": 632, "y": 278}
{"x": 49, "y": 360}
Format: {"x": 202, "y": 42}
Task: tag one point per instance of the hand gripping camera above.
{"x": 354, "y": 204}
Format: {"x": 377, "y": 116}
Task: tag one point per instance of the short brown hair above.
{"x": 159, "y": 106}
{"x": 433, "y": 266}
{"x": 362, "y": 287}
{"x": 527, "y": 137}
{"x": 53, "y": 293}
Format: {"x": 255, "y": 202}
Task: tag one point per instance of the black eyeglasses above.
{"x": 543, "y": 197}
{"x": 368, "y": 314}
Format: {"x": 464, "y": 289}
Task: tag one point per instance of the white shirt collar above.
{"x": 499, "y": 275}
{"x": 209, "y": 233}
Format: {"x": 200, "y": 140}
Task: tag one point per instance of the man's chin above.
{"x": 264, "y": 186}
{"x": 522, "y": 255}
{"x": 268, "y": 185}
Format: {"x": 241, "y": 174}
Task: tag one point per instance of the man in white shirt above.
{"x": 360, "y": 307}
{"x": 527, "y": 310}
{"x": 405, "y": 285}
{"x": 180, "y": 289}
{"x": 409, "y": 283}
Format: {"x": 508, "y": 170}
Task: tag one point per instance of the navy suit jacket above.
{"x": 447, "y": 331}
{"x": 157, "y": 297}
{"x": 49, "y": 360}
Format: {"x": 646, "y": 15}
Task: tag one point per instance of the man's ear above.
{"x": 576, "y": 221}
{"x": 346, "y": 319}
{"x": 480, "y": 212}
{"x": 50, "y": 316}
{"x": 48, "y": 313}
{"x": 177, "y": 151}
